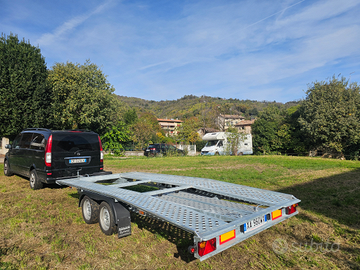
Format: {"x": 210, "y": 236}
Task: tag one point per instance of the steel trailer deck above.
{"x": 220, "y": 213}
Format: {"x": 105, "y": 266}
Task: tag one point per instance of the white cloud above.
{"x": 48, "y": 39}
{"x": 220, "y": 48}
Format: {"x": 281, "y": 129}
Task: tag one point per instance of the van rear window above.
{"x": 75, "y": 141}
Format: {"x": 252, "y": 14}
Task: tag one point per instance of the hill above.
{"x": 202, "y": 107}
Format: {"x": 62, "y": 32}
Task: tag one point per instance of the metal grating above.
{"x": 198, "y": 213}
{"x": 179, "y": 215}
{"x": 255, "y": 195}
{"x": 224, "y": 210}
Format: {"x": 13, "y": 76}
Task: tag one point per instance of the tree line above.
{"x": 66, "y": 96}
{"x": 79, "y": 96}
{"x": 327, "y": 121}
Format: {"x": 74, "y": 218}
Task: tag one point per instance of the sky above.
{"x": 163, "y": 50}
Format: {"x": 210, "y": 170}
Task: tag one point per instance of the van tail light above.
{"x": 291, "y": 209}
{"x": 48, "y": 152}
{"x": 101, "y": 151}
{"x": 152, "y": 149}
{"x": 206, "y": 247}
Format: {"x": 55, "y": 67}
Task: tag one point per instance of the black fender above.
{"x": 121, "y": 213}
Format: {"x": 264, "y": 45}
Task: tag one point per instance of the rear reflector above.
{"x": 291, "y": 209}
{"x": 227, "y": 237}
{"x": 276, "y": 214}
{"x": 206, "y": 247}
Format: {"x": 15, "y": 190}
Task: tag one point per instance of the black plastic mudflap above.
{"x": 123, "y": 220}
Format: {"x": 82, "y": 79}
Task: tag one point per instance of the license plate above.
{"x": 256, "y": 222}
{"x": 78, "y": 160}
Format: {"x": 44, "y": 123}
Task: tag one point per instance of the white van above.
{"x": 217, "y": 144}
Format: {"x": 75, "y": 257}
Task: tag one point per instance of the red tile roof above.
{"x": 169, "y": 120}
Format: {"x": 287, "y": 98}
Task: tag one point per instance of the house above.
{"x": 169, "y": 125}
{"x": 245, "y": 126}
{"x": 224, "y": 121}
{"x": 203, "y": 131}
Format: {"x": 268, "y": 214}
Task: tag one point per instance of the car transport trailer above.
{"x": 218, "y": 214}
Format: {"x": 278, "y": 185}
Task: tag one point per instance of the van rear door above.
{"x": 75, "y": 151}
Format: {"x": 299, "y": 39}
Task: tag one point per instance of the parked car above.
{"x": 159, "y": 149}
{"x": 46, "y": 155}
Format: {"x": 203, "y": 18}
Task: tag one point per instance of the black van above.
{"x": 46, "y": 155}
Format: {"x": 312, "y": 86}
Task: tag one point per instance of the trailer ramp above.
{"x": 218, "y": 214}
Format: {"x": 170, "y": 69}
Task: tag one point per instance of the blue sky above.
{"x": 163, "y": 50}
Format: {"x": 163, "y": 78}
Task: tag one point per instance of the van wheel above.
{"x": 7, "y": 171}
{"x": 90, "y": 210}
{"x": 217, "y": 154}
{"x": 35, "y": 182}
{"x": 107, "y": 219}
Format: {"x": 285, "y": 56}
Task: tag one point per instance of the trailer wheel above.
{"x": 90, "y": 210}
{"x": 35, "y": 182}
{"x": 107, "y": 219}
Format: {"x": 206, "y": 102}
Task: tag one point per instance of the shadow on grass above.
{"x": 336, "y": 197}
{"x": 166, "y": 231}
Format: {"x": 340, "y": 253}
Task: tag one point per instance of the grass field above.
{"x": 44, "y": 229}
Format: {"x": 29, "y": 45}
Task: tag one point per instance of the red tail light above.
{"x": 291, "y": 209}
{"x": 206, "y": 247}
{"x": 152, "y": 149}
{"x": 101, "y": 151}
{"x": 48, "y": 152}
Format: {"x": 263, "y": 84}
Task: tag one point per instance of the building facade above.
{"x": 169, "y": 126}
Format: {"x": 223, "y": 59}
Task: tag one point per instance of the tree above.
{"x": 130, "y": 117}
{"x": 330, "y": 115}
{"x": 82, "y": 98}
{"x": 265, "y": 139}
{"x": 25, "y": 97}
{"x": 115, "y": 139}
{"x": 187, "y": 132}
{"x": 265, "y": 131}
{"x": 234, "y": 138}
{"x": 144, "y": 130}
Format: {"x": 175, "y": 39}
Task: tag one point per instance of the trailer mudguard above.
{"x": 122, "y": 215}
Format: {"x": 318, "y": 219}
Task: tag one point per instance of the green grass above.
{"x": 44, "y": 229}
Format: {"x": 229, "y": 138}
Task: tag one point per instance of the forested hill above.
{"x": 191, "y": 105}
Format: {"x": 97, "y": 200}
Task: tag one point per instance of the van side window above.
{"x": 220, "y": 143}
{"x": 38, "y": 142}
{"x": 25, "y": 140}
{"x": 15, "y": 144}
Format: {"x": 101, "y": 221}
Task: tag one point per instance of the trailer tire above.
{"x": 35, "y": 182}
{"x": 90, "y": 210}
{"x": 107, "y": 219}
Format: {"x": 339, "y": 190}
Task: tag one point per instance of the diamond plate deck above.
{"x": 254, "y": 195}
{"x": 190, "y": 203}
